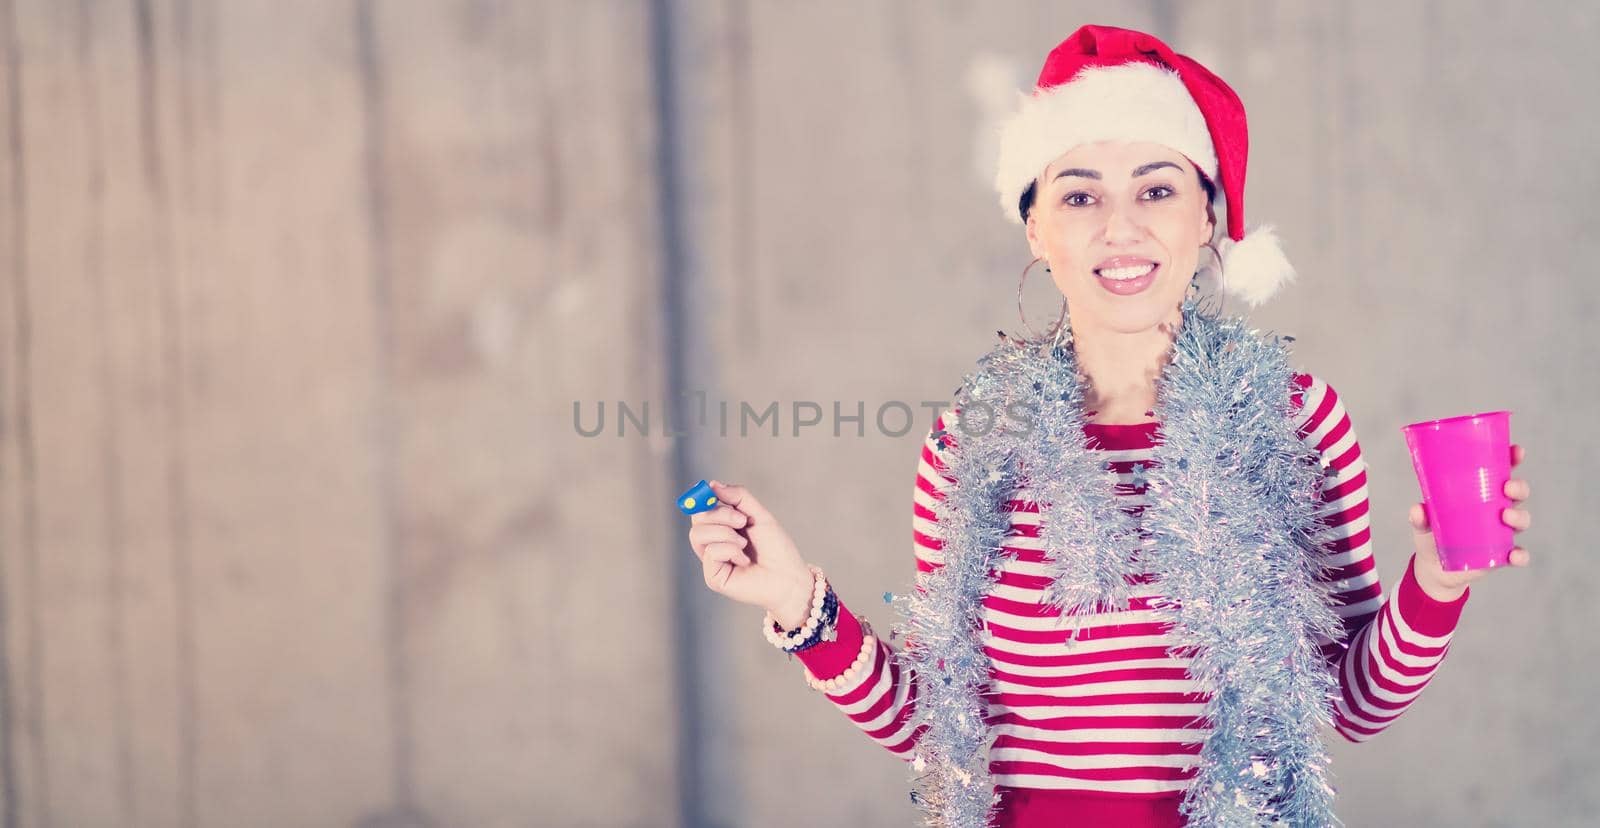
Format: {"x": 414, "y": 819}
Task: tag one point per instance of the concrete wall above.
{"x": 297, "y": 298}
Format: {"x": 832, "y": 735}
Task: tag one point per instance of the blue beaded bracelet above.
{"x": 826, "y": 628}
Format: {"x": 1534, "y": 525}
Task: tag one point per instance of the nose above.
{"x": 1121, "y": 227}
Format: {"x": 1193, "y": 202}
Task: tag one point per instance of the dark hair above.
{"x": 1025, "y": 204}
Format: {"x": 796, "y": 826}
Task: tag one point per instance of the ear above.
{"x": 1034, "y": 245}
{"x": 1208, "y": 214}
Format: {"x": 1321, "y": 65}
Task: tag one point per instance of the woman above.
{"x": 1158, "y": 644}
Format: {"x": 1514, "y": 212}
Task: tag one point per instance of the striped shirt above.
{"x": 1103, "y": 725}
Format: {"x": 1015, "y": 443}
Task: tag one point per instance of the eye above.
{"x": 1077, "y": 198}
{"x": 1166, "y": 192}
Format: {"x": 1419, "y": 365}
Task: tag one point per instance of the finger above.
{"x": 727, "y": 553}
{"x": 709, "y": 533}
{"x": 725, "y": 545}
{"x": 740, "y": 498}
{"x": 723, "y": 514}
{"x": 1516, "y": 454}
{"x": 1419, "y": 519}
{"x": 717, "y": 571}
{"x": 1518, "y": 519}
{"x": 1520, "y": 557}
{"x": 1518, "y": 489}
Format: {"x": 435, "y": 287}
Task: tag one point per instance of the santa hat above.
{"x": 1105, "y": 83}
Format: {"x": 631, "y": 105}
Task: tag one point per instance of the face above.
{"x": 1121, "y": 226}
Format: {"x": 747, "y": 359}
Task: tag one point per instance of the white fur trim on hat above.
{"x": 1133, "y": 101}
{"x": 1254, "y": 267}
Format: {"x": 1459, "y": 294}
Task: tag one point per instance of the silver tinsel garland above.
{"x": 1233, "y": 510}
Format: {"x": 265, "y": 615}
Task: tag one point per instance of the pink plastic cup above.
{"x": 1463, "y": 464}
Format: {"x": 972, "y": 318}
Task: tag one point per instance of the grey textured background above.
{"x": 298, "y": 297}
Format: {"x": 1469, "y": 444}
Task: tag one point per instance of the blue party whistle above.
{"x": 699, "y": 498}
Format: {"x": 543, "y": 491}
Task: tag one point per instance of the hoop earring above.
{"x": 1056, "y": 332}
{"x": 1216, "y": 254}
{"x": 1194, "y": 281}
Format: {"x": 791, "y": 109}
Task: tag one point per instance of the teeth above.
{"x": 1124, "y": 273}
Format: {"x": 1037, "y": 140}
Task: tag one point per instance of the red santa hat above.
{"x": 1105, "y": 83}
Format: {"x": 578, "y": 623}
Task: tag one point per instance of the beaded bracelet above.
{"x": 863, "y": 663}
{"x": 821, "y": 624}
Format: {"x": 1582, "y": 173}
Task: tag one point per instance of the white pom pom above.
{"x": 1254, "y": 268}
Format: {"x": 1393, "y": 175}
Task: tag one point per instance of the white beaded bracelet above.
{"x": 863, "y": 663}
{"x": 786, "y": 641}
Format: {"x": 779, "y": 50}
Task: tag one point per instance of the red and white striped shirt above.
{"x": 1098, "y": 730}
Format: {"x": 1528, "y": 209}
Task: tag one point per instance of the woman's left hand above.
{"x": 1448, "y": 586}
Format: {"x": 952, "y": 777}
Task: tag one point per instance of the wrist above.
{"x": 793, "y": 611}
{"x": 1433, "y": 586}
{"x": 821, "y": 622}
{"x": 1426, "y": 614}
{"x": 1440, "y": 592}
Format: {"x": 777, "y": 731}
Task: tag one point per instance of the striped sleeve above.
{"x": 881, "y": 701}
{"x": 1392, "y": 646}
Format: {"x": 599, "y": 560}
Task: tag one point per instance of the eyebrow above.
{"x": 1137, "y": 171}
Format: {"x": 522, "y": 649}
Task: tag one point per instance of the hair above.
{"x": 1025, "y": 204}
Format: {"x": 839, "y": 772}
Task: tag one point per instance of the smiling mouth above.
{"x": 1124, "y": 274}
{"x": 1129, "y": 280}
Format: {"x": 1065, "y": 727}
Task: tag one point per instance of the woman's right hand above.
{"x": 746, "y": 555}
